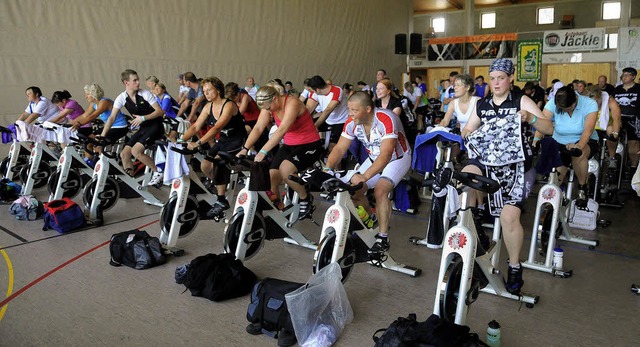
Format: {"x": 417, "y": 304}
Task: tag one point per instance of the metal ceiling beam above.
{"x": 455, "y": 4}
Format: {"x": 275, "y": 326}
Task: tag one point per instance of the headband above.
{"x": 503, "y": 64}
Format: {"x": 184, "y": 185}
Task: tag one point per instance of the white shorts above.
{"x": 394, "y": 171}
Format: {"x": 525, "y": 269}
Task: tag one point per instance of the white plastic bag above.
{"x": 320, "y": 309}
{"x": 635, "y": 181}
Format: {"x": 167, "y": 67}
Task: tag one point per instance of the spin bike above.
{"x": 556, "y": 207}
{"x": 464, "y": 269}
{"x": 71, "y": 173}
{"x": 443, "y": 142}
{"x": 102, "y": 192}
{"x": 189, "y": 201}
{"x": 255, "y": 219}
{"x": 344, "y": 238}
{"x": 17, "y": 157}
{"x": 612, "y": 176}
{"x": 35, "y": 174}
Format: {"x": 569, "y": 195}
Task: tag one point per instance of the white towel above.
{"x": 175, "y": 165}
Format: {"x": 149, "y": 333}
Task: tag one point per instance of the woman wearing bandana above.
{"x": 499, "y": 151}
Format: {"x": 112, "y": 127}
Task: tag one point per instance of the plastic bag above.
{"x": 320, "y": 309}
{"x": 635, "y": 181}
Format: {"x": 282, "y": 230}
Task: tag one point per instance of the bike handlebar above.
{"x": 477, "y": 182}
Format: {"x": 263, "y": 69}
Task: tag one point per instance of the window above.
{"x": 612, "y": 41}
{"x": 438, "y": 24}
{"x": 545, "y": 15}
{"x": 611, "y": 10}
{"x": 488, "y": 20}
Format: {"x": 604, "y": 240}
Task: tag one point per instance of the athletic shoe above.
{"x": 286, "y": 338}
{"x": 514, "y": 280}
{"x": 306, "y": 207}
{"x": 218, "y": 207}
{"x": 254, "y": 329}
{"x": 156, "y": 179}
{"x": 581, "y": 201}
{"x": 380, "y": 246}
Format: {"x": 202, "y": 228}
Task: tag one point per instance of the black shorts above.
{"x": 565, "y": 155}
{"x": 85, "y": 131}
{"x": 147, "y": 134}
{"x": 335, "y": 131}
{"x": 231, "y": 145}
{"x": 116, "y": 134}
{"x": 631, "y": 125}
{"x": 302, "y": 156}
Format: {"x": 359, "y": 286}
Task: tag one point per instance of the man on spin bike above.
{"x": 495, "y": 136}
{"x": 382, "y": 134}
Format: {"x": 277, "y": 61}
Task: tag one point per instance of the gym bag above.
{"x": 218, "y": 277}
{"x": 63, "y": 215}
{"x": 434, "y": 332}
{"x": 136, "y": 249}
{"x": 9, "y": 190}
{"x": 27, "y": 208}
{"x": 268, "y": 307}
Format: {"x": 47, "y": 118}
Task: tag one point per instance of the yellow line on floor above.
{"x": 10, "y": 282}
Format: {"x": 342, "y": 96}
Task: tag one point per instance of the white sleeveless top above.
{"x": 463, "y": 118}
{"x": 603, "y": 115}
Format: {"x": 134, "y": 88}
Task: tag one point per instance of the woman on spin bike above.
{"x": 574, "y": 118}
{"x": 302, "y": 144}
{"x": 226, "y": 123}
{"x": 496, "y": 133}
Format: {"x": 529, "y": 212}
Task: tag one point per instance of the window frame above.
{"x": 444, "y": 24}
{"x": 604, "y": 3}
{"x": 553, "y": 17}
{"x": 495, "y": 17}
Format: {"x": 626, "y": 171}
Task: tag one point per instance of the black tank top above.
{"x": 510, "y": 106}
{"x": 141, "y": 108}
{"x": 235, "y": 126}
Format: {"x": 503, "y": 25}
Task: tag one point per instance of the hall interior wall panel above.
{"x": 583, "y": 71}
{"x": 66, "y": 44}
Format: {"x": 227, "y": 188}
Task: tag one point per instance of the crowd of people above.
{"x": 294, "y": 130}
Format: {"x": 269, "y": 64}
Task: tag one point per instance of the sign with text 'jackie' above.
{"x": 575, "y": 40}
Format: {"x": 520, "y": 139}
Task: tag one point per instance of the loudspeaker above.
{"x": 401, "y": 43}
{"x": 415, "y": 44}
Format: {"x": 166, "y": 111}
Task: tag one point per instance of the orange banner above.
{"x": 474, "y": 38}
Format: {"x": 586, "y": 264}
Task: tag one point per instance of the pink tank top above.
{"x": 302, "y": 131}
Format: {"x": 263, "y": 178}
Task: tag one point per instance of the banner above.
{"x": 472, "y": 47}
{"x": 529, "y": 61}
{"x": 490, "y": 46}
{"x": 574, "y": 40}
{"x": 628, "y": 48}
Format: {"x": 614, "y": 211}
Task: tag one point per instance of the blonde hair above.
{"x": 94, "y": 90}
{"x": 153, "y": 79}
{"x": 268, "y": 92}
{"x": 594, "y": 92}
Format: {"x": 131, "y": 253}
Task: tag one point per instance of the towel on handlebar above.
{"x": 175, "y": 165}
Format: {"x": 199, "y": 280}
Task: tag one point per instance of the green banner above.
{"x": 529, "y": 61}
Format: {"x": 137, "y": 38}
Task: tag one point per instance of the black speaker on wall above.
{"x": 415, "y": 44}
{"x": 401, "y": 43}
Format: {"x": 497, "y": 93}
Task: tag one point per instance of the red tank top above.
{"x": 302, "y": 131}
{"x": 252, "y": 112}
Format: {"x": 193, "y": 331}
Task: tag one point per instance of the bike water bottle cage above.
{"x": 477, "y": 182}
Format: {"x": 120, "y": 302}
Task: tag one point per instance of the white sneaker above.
{"x": 156, "y": 179}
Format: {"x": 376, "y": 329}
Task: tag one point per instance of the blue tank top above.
{"x": 121, "y": 121}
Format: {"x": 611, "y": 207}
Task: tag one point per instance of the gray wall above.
{"x": 65, "y": 44}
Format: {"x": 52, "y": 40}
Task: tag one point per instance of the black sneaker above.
{"x": 514, "y": 280}
{"x": 581, "y": 200}
{"x": 382, "y": 245}
{"x": 286, "y": 338}
{"x": 218, "y": 207}
{"x": 306, "y": 207}
{"x": 254, "y": 329}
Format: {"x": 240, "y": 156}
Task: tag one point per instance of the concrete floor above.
{"x": 63, "y": 292}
